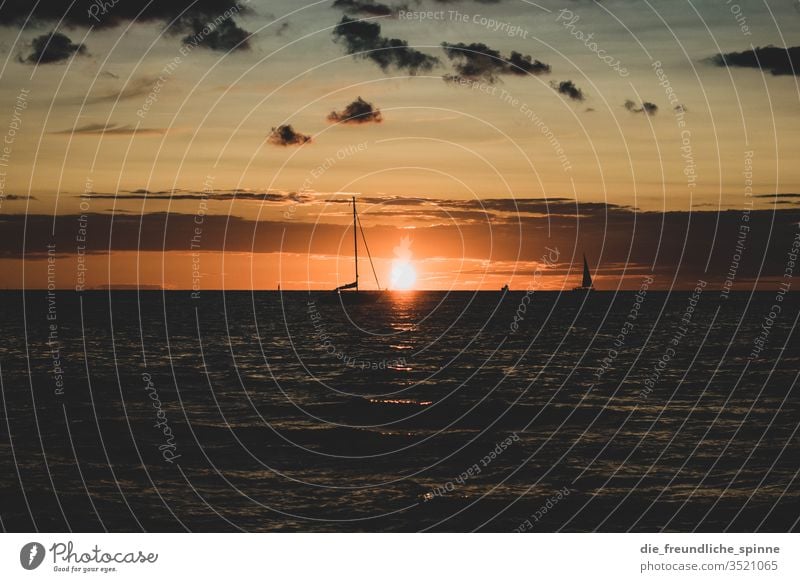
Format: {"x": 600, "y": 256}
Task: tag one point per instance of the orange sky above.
{"x": 135, "y": 110}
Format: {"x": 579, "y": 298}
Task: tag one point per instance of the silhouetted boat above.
{"x": 349, "y": 292}
{"x": 504, "y": 289}
{"x": 586, "y": 284}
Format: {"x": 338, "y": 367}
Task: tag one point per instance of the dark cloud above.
{"x": 225, "y": 37}
{"x": 569, "y": 89}
{"x": 86, "y": 13}
{"x": 786, "y": 196}
{"x": 190, "y": 17}
{"x": 497, "y": 210}
{"x": 359, "y": 111}
{"x": 218, "y": 195}
{"x": 110, "y": 129}
{"x": 647, "y": 107}
{"x": 285, "y": 135}
{"x": 15, "y": 197}
{"x": 363, "y": 7}
{"x": 364, "y": 40}
{"x": 522, "y": 64}
{"x": 650, "y": 108}
{"x": 677, "y": 243}
{"x": 476, "y": 61}
{"x": 53, "y": 48}
{"x": 776, "y": 60}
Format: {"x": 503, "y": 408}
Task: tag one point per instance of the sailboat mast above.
{"x": 355, "y": 239}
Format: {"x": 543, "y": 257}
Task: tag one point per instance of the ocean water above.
{"x": 126, "y": 411}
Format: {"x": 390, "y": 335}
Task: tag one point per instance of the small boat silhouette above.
{"x": 351, "y": 291}
{"x": 586, "y": 283}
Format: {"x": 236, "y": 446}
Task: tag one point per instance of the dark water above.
{"x": 412, "y": 412}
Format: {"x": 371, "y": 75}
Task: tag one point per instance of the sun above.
{"x": 403, "y": 275}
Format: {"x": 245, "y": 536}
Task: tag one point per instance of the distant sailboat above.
{"x": 354, "y": 285}
{"x": 586, "y": 284}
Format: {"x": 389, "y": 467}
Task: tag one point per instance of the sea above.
{"x": 521, "y": 411}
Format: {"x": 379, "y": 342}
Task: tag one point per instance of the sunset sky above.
{"x": 502, "y": 129}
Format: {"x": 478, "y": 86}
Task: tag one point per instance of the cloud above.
{"x": 363, "y": 39}
{"x": 647, "y": 107}
{"x": 285, "y": 135}
{"x": 183, "y": 17}
{"x": 110, "y": 129}
{"x": 217, "y": 195}
{"x": 677, "y": 242}
{"x": 15, "y": 197}
{"x": 476, "y": 61}
{"x": 569, "y": 89}
{"x": 785, "y": 196}
{"x": 776, "y": 60}
{"x": 359, "y": 111}
{"x": 225, "y": 37}
{"x": 53, "y": 48}
{"x": 363, "y": 7}
{"x": 86, "y": 13}
{"x": 138, "y": 87}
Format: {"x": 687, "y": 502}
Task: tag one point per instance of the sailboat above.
{"x": 351, "y": 290}
{"x": 586, "y": 283}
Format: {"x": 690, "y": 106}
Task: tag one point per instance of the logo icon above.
{"x": 31, "y": 555}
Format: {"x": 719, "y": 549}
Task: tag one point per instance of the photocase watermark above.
{"x": 82, "y": 235}
{"x": 569, "y": 20}
{"x": 31, "y": 555}
{"x": 679, "y": 112}
{"x": 739, "y": 16}
{"x": 185, "y": 50}
{"x": 320, "y": 170}
{"x": 744, "y": 227}
{"x": 511, "y": 30}
{"x": 523, "y": 108}
{"x": 53, "y": 342}
{"x": 7, "y": 147}
{"x": 549, "y": 259}
{"x": 671, "y": 351}
{"x": 66, "y": 559}
{"x": 195, "y": 241}
{"x": 537, "y": 515}
{"x": 326, "y": 344}
{"x": 543, "y": 128}
{"x": 627, "y": 327}
{"x": 762, "y": 339}
{"x": 472, "y": 471}
{"x": 475, "y": 85}
{"x": 100, "y": 7}
{"x": 169, "y": 447}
